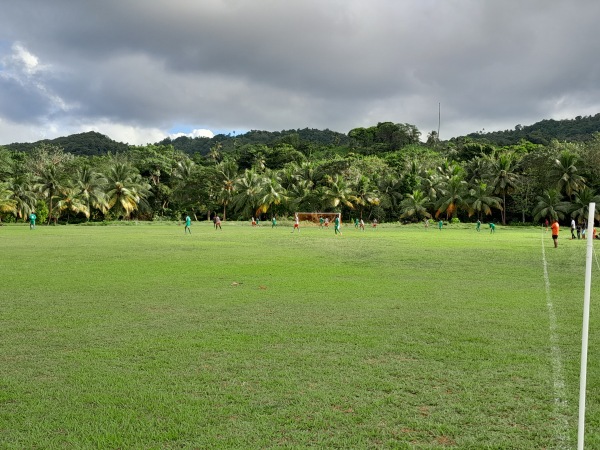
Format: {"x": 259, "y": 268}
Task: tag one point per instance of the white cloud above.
{"x": 25, "y": 59}
{"x": 11, "y": 132}
{"x": 229, "y": 65}
{"x": 201, "y": 132}
{"x": 129, "y": 134}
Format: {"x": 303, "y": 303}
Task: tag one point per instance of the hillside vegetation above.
{"x": 385, "y": 172}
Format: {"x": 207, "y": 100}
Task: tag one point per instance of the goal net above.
{"x": 316, "y": 217}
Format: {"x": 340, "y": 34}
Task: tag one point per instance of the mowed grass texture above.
{"x": 400, "y": 337}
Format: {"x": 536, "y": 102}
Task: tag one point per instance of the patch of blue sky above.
{"x": 5, "y": 49}
{"x": 192, "y": 130}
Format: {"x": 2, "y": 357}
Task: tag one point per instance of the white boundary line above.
{"x": 560, "y": 401}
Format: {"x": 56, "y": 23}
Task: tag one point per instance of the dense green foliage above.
{"x": 382, "y": 172}
{"x": 400, "y": 337}
{"x": 90, "y": 143}
{"x": 580, "y": 129}
{"x": 302, "y": 140}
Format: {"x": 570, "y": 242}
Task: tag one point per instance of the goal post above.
{"x": 315, "y": 217}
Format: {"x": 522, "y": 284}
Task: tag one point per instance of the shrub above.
{"x": 41, "y": 211}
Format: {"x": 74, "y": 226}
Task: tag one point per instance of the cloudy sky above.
{"x": 141, "y": 70}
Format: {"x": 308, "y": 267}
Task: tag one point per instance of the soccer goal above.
{"x": 316, "y": 217}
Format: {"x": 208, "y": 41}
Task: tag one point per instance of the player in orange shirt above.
{"x": 555, "y": 229}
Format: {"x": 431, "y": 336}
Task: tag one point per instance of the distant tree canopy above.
{"x": 302, "y": 140}
{"x": 82, "y": 144}
{"x": 386, "y": 136}
{"x": 381, "y": 172}
{"x": 579, "y": 129}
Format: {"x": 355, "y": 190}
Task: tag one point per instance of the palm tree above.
{"x": 565, "y": 173}
{"x": 430, "y": 180}
{"x": 365, "y": 193}
{"x": 49, "y": 183}
{"x": 7, "y": 204}
{"x": 215, "y": 152}
{"x": 432, "y": 138}
{"x": 126, "y": 191}
{"x": 183, "y": 169}
{"x": 227, "y": 172}
{"x": 184, "y": 176}
{"x": 580, "y": 205}
{"x": 338, "y": 193}
{"x": 307, "y": 171}
{"x": 21, "y": 193}
{"x": 248, "y": 193}
{"x": 480, "y": 200}
{"x": 550, "y": 205}
{"x": 389, "y": 187}
{"x": 478, "y": 169}
{"x": 290, "y": 175}
{"x": 453, "y": 197}
{"x": 273, "y": 193}
{"x": 447, "y": 170}
{"x": 504, "y": 177}
{"x": 91, "y": 189}
{"x": 415, "y": 205}
{"x": 302, "y": 195}
{"x": 69, "y": 199}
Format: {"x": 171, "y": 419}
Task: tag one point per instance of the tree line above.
{"x": 382, "y": 172}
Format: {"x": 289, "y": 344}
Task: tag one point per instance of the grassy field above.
{"x": 142, "y": 337}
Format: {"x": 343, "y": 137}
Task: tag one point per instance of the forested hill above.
{"x": 579, "y": 129}
{"x": 89, "y": 144}
{"x": 93, "y": 144}
{"x": 295, "y": 138}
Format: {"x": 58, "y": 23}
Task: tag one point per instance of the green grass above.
{"x": 400, "y": 337}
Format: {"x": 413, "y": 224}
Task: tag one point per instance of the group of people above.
{"x": 578, "y": 230}
{"x": 360, "y": 224}
{"x": 188, "y": 223}
{"x": 254, "y": 222}
{"x": 477, "y": 225}
{"x": 323, "y": 222}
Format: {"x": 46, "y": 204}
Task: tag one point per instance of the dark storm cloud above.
{"x": 339, "y": 64}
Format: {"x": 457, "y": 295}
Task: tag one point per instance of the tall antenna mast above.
{"x": 439, "y": 119}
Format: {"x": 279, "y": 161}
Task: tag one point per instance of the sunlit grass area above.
{"x": 143, "y": 337}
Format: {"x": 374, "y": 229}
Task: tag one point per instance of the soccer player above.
{"x": 356, "y": 223}
{"x": 188, "y": 222}
{"x": 374, "y": 223}
{"x": 478, "y": 226}
{"x": 296, "y": 223}
{"x": 492, "y": 228}
{"x": 253, "y": 222}
{"x": 440, "y": 224}
{"x": 273, "y": 222}
{"x": 321, "y": 222}
{"x": 555, "y": 229}
{"x": 573, "y": 228}
{"x": 32, "y": 218}
{"x": 337, "y": 225}
{"x": 361, "y": 224}
{"x": 327, "y": 222}
{"x": 218, "y": 223}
